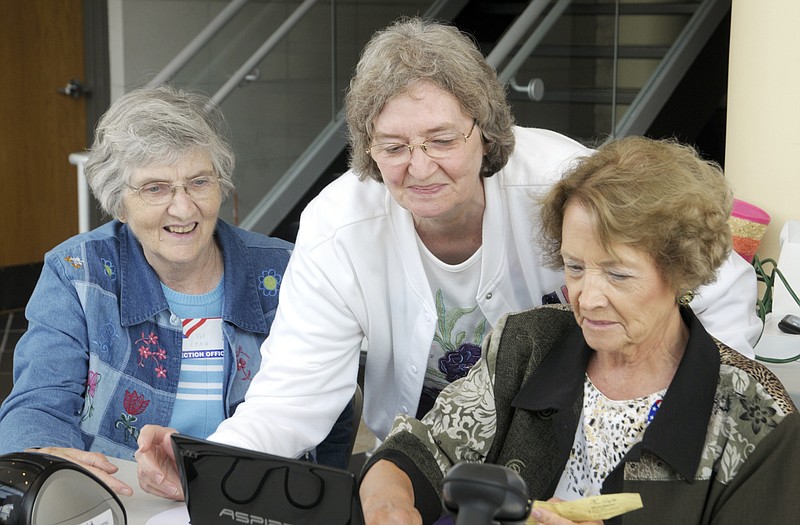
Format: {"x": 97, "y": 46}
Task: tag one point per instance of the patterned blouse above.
{"x": 609, "y": 429}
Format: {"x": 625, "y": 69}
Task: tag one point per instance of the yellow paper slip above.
{"x": 594, "y": 508}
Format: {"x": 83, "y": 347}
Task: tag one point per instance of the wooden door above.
{"x": 41, "y": 49}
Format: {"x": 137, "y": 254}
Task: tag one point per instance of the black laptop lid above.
{"x": 227, "y": 485}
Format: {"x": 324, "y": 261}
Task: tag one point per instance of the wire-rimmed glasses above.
{"x": 160, "y": 192}
{"x": 439, "y": 146}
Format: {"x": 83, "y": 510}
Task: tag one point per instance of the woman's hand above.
{"x": 156, "y": 467}
{"x": 387, "y": 497}
{"x": 94, "y": 462}
{"x": 545, "y": 517}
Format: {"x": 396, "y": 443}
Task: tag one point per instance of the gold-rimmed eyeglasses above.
{"x": 161, "y": 192}
{"x": 439, "y": 146}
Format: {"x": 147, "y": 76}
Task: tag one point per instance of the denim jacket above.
{"x": 102, "y": 353}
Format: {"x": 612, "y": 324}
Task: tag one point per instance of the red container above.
{"x": 748, "y": 224}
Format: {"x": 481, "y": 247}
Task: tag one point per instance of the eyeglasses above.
{"x": 437, "y": 147}
{"x": 157, "y": 193}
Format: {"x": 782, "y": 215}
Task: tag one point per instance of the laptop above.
{"x": 227, "y": 485}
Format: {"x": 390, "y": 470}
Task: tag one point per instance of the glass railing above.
{"x": 591, "y": 57}
{"x": 591, "y": 63}
{"x": 294, "y": 92}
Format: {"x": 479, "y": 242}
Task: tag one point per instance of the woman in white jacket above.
{"x": 415, "y": 252}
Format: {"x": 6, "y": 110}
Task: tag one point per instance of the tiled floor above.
{"x": 365, "y": 440}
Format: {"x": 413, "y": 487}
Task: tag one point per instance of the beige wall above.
{"x": 763, "y": 130}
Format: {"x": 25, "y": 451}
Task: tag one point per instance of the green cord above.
{"x": 764, "y": 304}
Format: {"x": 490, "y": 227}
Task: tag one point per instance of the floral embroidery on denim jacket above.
{"x": 269, "y": 282}
{"x": 120, "y": 315}
{"x": 134, "y": 405}
{"x": 108, "y": 269}
{"x": 76, "y": 262}
{"x": 150, "y": 349}
{"x": 108, "y": 335}
{"x": 91, "y": 387}
{"x": 242, "y": 360}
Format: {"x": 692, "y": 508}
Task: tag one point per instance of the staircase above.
{"x": 598, "y": 56}
{"x": 590, "y": 69}
{"x": 595, "y": 62}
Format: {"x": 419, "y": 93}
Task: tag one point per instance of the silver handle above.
{"x": 74, "y": 89}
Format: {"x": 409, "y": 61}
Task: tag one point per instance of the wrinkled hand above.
{"x": 155, "y": 462}
{"x": 385, "y": 511}
{"x": 545, "y": 517}
{"x": 387, "y": 496}
{"x": 94, "y": 462}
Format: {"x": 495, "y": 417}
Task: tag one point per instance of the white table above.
{"x": 778, "y": 345}
{"x": 141, "y": 507}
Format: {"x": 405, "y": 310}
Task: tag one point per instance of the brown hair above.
{"x": 656, "y": 195}
{"x": 412, "y": 50}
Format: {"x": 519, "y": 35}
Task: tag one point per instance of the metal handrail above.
{"x": 500, "y": 51}
{"x": 197, "y": 43}
{"x": 262, "y": 51}
{"x": 534, "y": 40}
{"x": 79, "y": 161}
{"x": 282, "y": 197}
{"x": 514, "y": 33}
{"x": 274, "y": 206}
{"x": 177, "y": 63}
{"x": 688, "y": 44}
{"x": 202, "y": 38}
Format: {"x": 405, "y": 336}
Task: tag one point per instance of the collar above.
{"x": 141, "y": 296}
{"x": 678, "y": 432}
{"x": 558, "y": 380}
{"x": 677, "y": 435}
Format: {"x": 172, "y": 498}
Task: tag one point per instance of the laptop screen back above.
{"x": 225, "y": 485}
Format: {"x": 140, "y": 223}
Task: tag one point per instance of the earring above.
{"x": 686, "y": 298}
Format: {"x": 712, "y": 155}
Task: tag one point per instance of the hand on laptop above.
{"x": 94, "y": 462}
{"x": 157, "y": 471}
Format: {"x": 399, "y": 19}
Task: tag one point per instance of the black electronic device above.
{"x": 225, "y": 485}
{"x": 40, "y": 489}
{"x": 790, "y": 324}
{"x": 483, "y": 493}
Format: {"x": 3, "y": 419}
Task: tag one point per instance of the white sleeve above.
{"x": 309, "y": 366}
{"x": 727, "y": 307}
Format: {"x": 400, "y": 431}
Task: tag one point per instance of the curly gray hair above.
{"x": 155, "y": 127}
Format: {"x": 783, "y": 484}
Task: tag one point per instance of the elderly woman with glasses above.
{"x": 417, "y": 251}
{"x": 157, "y": 316}
{"x": 624, "y": 392}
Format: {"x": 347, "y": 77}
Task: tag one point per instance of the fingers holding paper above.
{"x": 586, "y": 511}
{"x": 542, "y": 516}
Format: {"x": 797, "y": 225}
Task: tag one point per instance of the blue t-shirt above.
{"x": 199, "y": 403}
